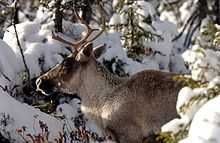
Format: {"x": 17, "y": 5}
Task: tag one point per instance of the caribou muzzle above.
{"x": 44, "y": 86}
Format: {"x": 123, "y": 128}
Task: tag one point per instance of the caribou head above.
{"x": 66, "y": 76}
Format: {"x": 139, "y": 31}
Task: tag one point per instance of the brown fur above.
{"x": 126, "y": 108}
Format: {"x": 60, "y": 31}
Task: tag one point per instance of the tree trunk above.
{"x": 87, "y": 10}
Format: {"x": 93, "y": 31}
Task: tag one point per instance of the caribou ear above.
{"x": 85, "y": 53}
{"x": 99, "y": 50}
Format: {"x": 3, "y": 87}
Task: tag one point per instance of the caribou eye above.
{"x": 67, "y": 62}
{"x": 70, "y": 65}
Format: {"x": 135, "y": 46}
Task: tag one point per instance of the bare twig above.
{"x": 9, "y": 90}
{"x": 19, "y": 45}
{"x": 187, "y": 42}
{"x": 190, "y": 29}
{"x": 5, "y": 88}
{"x": 4, "y": 75}
{"x": 189, "y": 21}
{"x": 57, "y": 37}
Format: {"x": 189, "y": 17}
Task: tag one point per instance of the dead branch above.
{"x": 19, "y": 45}
{"x": 6, "y": 77}
{"x": 190, "y": 34}
{"x": 188, "y": 22}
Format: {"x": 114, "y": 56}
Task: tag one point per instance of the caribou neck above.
{"x": 97, "y": 82}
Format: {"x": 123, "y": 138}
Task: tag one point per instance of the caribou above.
{"x": 126, "y": 109}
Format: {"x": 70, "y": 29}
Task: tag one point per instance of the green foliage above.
{"x": 117, "y": 65}
{"x": 188, "y": 81}
{"x": 24, "y": 76}
{"x": 162, "y": 137}
{"x": 210, "y": 30}
{"x": 68, "y": 5}
{"x": 210, "y": 94}
{"x": 211, "y": 34}
{"x": 165, "y": 138}
{"x": 168, "y": 137}
{"x": 5, "y": 10}
{"x": 202, "y": 98}
{"x": 47, "y": 107}
{"x": 121, "y": 4}
{"x": 136, "y": 28}
{"x": 198, "y": 100}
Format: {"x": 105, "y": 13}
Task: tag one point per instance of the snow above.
{"x": 115, "y": 50}
{"x": 184, "y": 96}
{"x": 26, "y": 31}
{"x": 174, "y": 125}
{"x": 145, "y": 8}
{"x": 9, "y": 64}
{"x": 42, "y": 14}
{"x": 52, "y": 3}
{"x": 115, "y": 3}
{"x": 184, "y": 9}
{"x": 145, "y": 26}
{"x": 36, "y": 42}
{"x": 203, "y": 63}
{"x": 162, "y": 46}
{"x": 214, "y": 82}
{"x": 17, "y": 111}
{"x": 201, "y": 116}
{"x": 205, "y": 126}
{"x": 169, "y": 16}
{"x": 115, "y": 19}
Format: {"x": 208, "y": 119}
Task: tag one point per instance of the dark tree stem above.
{"x": 58, "y": 17}
{"x": 217, "y": 11}
{"x": 16, "y": 17}
{"x": 87, "y": 10}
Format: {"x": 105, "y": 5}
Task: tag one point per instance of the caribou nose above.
{"x": 44, "y": 86}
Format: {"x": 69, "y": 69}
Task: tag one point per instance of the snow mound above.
{"x": 203, "y": 63}
{"x": 17, "y": 111}
{"x": 37, "y": 45}
{"x": 9, "y": 64}
{"x": 205, "y": 127}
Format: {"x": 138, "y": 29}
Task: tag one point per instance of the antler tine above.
{"x": 103, "y": 23}
{"x": 58, "y": 38}
{"x": 89, "y": 30}
{"x": 76, "y": 45}
{"x": 79, "y": 44}
{"x": 78, "y": 17}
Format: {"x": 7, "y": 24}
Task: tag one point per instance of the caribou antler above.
{"x": 83, "y": 41}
